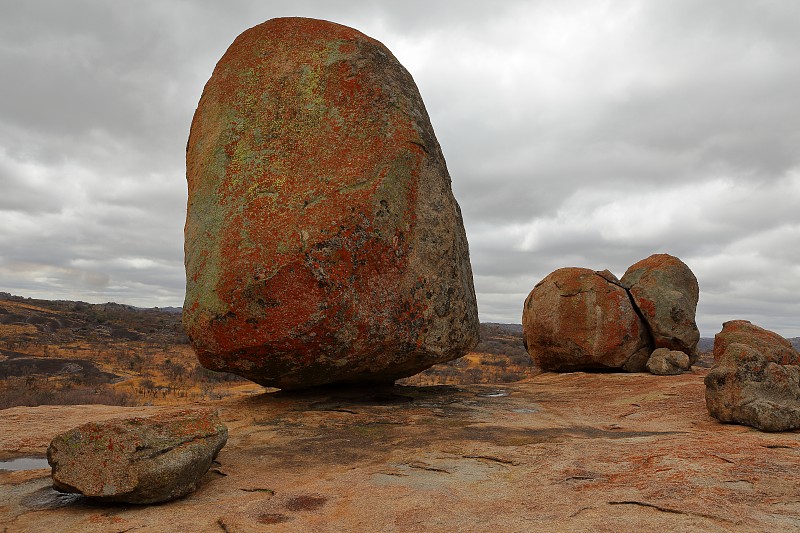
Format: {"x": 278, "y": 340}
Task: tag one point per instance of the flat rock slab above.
{"x": 137, "y": 459}
{"x": 560, "y": 452}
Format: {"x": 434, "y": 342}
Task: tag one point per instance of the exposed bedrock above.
{"x": 323, "y": 241}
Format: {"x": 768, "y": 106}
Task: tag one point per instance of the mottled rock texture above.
{"x": 579, "y": 319}
{"x": 323, "y": 242}
{"x": 747, "y": 387}
{"x": 666, "y": 292}
{"x": 575, "y": 318}
{"x": 137, "y": 460}
{"x": 666, "y": 362}
{"x": 774, "y": 347}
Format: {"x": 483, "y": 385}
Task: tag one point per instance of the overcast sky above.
{"x": 577, "y": 133}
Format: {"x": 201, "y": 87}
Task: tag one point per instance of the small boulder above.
{"x": 579, "y": 319}
{"x": 137, "y": 460}
{"x": 774, "y": 347}
{"x": 748, "y": 387}
{"x": 666, "y": 293}
{"x": 323, "y": 242}
{"x": 666, "y": 362}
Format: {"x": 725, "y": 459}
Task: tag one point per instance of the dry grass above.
{"x": 141, "y": 357}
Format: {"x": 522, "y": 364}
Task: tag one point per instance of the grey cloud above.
{"x": 577, "y": 134}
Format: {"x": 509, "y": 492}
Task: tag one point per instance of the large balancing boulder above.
{"x": 579, "y": 319}
{"x": 666, "y": 292}
{"x": 323, "y": 241}
{"x": 137, "y": 460}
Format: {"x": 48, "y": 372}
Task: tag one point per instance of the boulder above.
{"x": 666, "y": 292}
{"x": 323, "y": 243}
{"x": 748, "y": 387}
{"x": 576, "y": 319}
{"x": 666, "y": 362}
{"x": 137, "y": 460}
{"x": 774, "y": 347}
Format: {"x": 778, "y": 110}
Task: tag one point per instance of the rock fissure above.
{"x": 580, "y": 319}
{"x": 669, "y": 509}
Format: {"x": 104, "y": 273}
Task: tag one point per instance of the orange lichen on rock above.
{"x": 137, "y": 460}
{"x": 579, "y": 319}
{"x": 576, "y": 319}
{"x": 323, "y": 242}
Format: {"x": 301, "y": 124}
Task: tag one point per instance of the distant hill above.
{"x": 63, "y": 321}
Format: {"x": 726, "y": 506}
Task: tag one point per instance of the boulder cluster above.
{"x": 756, "y": 378}
{"x": 323, "y": 243}
{"x": 580, "y": 319}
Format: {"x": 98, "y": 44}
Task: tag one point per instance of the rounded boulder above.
{"x": 323, "y": 243}
{"x": 665, "y": 291}
{"x": 579, "y": 319}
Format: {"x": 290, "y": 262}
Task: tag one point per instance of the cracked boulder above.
{"x": 579, "y": 319}
{"x": 666, "y": 292}
{"x": 137, "y": 460}
{"x": 748, "y": 387}
{"x": 323, "y": 243}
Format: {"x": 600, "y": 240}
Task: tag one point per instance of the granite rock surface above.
{"x": 323, "y": 243}
{"x": 575, "y": 319}
{"x": 137, "y": 460}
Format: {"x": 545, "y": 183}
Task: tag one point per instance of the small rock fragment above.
{"x": 137, "y": 460}
{"x": 666, "y": 362}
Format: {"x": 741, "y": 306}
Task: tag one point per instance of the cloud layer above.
{"x": 577, "y": 133}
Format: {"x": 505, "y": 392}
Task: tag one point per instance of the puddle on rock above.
{"x": 493, "y": 394}
{"x": 24, "y": 463}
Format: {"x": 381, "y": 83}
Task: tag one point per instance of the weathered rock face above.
{"x": 576, "y": 318}
{"x": 774, "y": 347}
{"x": 323, "y": 242}
{"x": 137, "y": 460}
{"x": 748, "y": 387}
{"x": 666, "y": 293}
{"x": 666, "y": 362}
